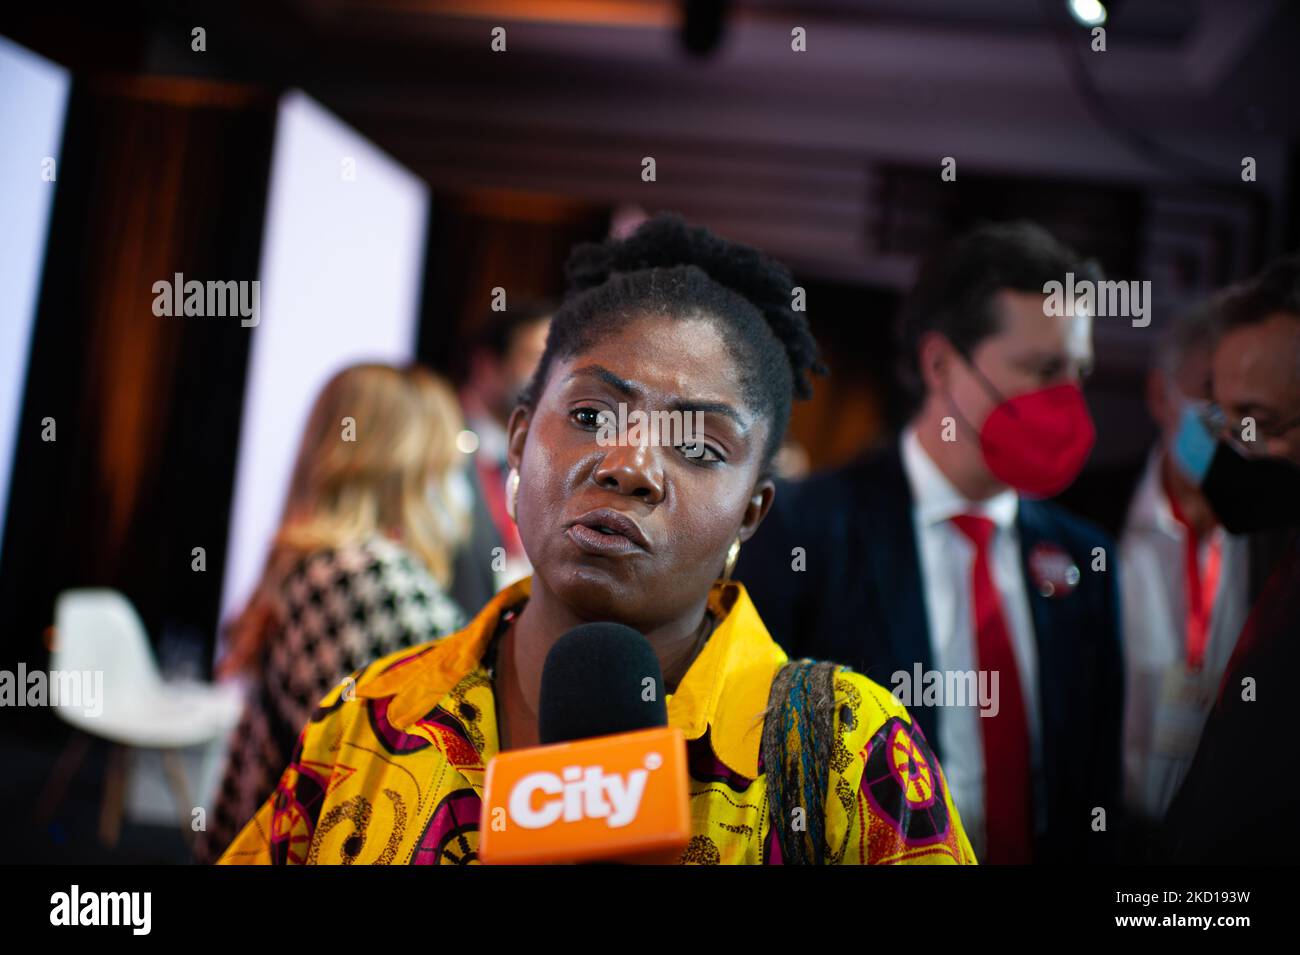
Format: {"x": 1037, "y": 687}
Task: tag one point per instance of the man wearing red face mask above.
{"x": 936, "y": 567}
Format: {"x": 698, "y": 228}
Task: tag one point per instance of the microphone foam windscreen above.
{"x": 598, "y": 679}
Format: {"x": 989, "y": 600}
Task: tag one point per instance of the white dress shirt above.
{"x": 947, "y": 560}
{"x": 1166, "y": 704}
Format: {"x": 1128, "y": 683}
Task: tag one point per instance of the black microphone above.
{"x": 599, "y": 679}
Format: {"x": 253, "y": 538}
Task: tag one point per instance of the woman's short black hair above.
{"x": 668, "y": 268}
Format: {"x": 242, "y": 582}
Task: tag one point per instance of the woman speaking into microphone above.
{"x": 790, "y": 762}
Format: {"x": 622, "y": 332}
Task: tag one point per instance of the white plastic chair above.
{"x": 98, "y": 631}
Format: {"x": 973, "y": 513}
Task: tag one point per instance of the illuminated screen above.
{"x": 342, "y": 257}
{"x": 33, "y": 102}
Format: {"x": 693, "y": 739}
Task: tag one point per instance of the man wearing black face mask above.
{"x": 1245, "y": 452}
{"x": 1245, "y": 449}
{"x": 937, "y": 556}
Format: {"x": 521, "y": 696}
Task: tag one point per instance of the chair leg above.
{"x": 110, "y": 816}
{"x": 175, "y": 771}
{"x": 56, "y": 786}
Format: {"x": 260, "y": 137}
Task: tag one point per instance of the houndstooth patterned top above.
{"x": 345, "y": 607}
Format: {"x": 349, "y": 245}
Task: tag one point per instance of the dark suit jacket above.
{"x": 860, "y": 602}
{"x": 1242, "y": 791}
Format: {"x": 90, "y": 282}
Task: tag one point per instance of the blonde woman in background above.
{"x": 359, "y": 568}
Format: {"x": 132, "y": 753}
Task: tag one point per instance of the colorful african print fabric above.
{"x": 390, "y": 767}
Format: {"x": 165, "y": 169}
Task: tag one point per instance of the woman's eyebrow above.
{"x": 634, "y": 390}
{"x": 608, "y": 377}
{"x": 711, "y": 407}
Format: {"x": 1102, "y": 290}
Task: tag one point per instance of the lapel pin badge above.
{"x": 1053, "y": 570}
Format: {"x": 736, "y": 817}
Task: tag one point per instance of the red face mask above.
{"x": 1038, "y": 442}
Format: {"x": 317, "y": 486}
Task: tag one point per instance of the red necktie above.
{"x": 1200, "y": 587}
{"x": 1008, "y": 803}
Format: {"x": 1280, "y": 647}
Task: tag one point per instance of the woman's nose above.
{"x": 634, "y": 470}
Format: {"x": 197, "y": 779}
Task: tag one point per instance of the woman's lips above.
{"x": 592, "y": 541}
{"x": 607, "y": 532}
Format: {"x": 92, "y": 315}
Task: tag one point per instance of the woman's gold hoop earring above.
{"x": 512, "y": 492}
{"x": 732, "y": 553}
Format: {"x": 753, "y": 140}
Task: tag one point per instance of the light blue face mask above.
{"x": 1194, "y": 442}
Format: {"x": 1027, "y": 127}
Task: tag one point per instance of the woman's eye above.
{"x": 699, "y": 452}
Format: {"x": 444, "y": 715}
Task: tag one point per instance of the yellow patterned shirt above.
{"x": 390, "y": 767}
